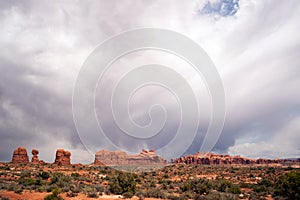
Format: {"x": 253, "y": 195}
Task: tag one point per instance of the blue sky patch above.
{"x": 223, "y": 8}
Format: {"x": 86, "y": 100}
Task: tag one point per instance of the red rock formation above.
{"x": 20, "y": 155}
{"x": 62, "y": 158}
{"x": 215, "y": 159}
{"x": 121, "y": 158}
{"x": 35, "y": 158}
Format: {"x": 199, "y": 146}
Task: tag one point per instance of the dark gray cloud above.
{"x": 256, "y": 50}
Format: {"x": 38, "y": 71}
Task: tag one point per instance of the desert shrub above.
{"x": 18, "y": 190}
{"x": 288, "y": 186}
{"x": 140, "y": 194}
{"x": 54, "y": 195}
{"x": 26, "y": 181}
{"x": 263, "y": 187}
{"x": 25, "y": 173}
{"x": 49, "y": 188}
{"x": 122, "y": 182}
{"x": 65, "y": 189}
{"x": 92, "y": 194}
{"x": 43, "y": 175}
{"x": 199, "y": 186}
{"x": 5, "y": 167}
{"x": 74, "y": 189}
{"x": 127, "y": 195}
{"x": 234, "y": 189}
{"x": 72, "y": 194}
{"x": 99, "y": 188}
{"x": 75, "y": 175}
{"x": 155, "y": 193}
{"x": 172, "y": 197}
{"x": 227, "y": 186}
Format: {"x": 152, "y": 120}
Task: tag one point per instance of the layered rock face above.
{"x": 35, "y": 158}
{"x": 122, "y": 158}
{"x": 62, "y": 158}
{"x": 215, "y": 159}
{"x": 20, "y": 155}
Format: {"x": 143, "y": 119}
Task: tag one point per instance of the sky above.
{"x": 254, "y": 44}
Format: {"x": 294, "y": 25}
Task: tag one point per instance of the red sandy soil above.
{"x": 27, "y": 195}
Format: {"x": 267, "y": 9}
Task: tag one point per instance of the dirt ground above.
{"x": 27, "y": 195}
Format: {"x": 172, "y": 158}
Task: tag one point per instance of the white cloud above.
{"x": 284, "y": 144}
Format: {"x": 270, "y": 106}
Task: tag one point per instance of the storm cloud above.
{"x": 254, "y": 44}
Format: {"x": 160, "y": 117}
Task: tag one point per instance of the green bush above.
{"x": 127, "y": 195}
{"x": 122, "y": 182}
{"x": 199, "y": 186}
{"x": 155, "y": 193}
{"x": 92, "y": 195}
{"x": 54, "y": 195}
{"x": 288, "y": 186}
{"x": 43, "y": 175}
{"x": 26, "y": 181}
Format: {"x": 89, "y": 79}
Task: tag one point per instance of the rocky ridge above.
{"x": 118, "y": 157}
{"x": 216, "y": 159}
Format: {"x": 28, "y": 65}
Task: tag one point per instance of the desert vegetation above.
{"x": 178, "y": 181}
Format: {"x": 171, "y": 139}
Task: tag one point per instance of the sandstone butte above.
{"x": 110, "y": 158}
{"x": 62, "y": 157}
{"x": 20, "y": 155}
{"x": 216, "y": 159}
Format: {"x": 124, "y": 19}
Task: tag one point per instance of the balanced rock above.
{"x": 20, "y": 155}
{"x": 35, "y": 158}
{"x": 111, "y": 158}
{"x": 62, "y": 158}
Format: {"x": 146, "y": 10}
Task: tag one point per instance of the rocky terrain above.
{"x": 216, "y": 159}
{"x": 109, "y": 158}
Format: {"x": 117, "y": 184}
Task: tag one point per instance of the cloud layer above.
{"x": 256, "y": 49}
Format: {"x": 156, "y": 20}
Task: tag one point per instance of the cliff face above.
{"x": 105, "y": 157}
{"x": 215, "y": 159}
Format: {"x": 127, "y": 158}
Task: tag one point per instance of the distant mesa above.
{"x": 216, "y": 159}
{"x": 62, "y": 157}
{"x": 20, "y": 155}
{"x": 118, "y": 157}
